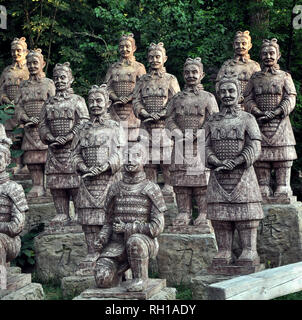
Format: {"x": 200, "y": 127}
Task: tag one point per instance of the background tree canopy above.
{"x": 86, "y": 33}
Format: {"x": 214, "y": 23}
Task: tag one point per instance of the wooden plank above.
{"x": 264, "y": 285}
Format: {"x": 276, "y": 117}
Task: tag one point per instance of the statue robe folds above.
{"x": 233, "y": 195}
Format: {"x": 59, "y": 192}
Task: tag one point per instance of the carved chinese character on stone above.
{"x": 241, "y": 64}
{"x": 271, "y": 97}
{"x": 30, "y": 99}
{"x": 12, "y": 210}
{"x": 121, "y": 78}
{"x": 233, "y": 144}
{"x": 187, "y": 112}
{"x": 151, "y": 94}
{"x": 60, "y": 119}
{"x": 10, "y": 80}
{"x": 135, "y": 218}
{"x": 97, "y": 157}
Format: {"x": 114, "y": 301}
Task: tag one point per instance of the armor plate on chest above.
{"x": 189, "y": 121}
{"x": 12, "y": 91}
{"x": 60, "y": 127}
{"x": 5, "y": 208}
{"x": 154, "y": 103}
{"x": 95, "y": 155}
{"x": 268, "y": 101}
{"x": 123, "y": 88}
{"x": 227, "y": 149}
{"x": 33, "y": 108}
{"x": 123, "y": 111}
{"x": 130, "y": 208}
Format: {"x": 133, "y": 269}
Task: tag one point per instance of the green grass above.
{"x": 183, "y": 292}
{"x": 52, "y": 292}
{"x": 291, "y": 296}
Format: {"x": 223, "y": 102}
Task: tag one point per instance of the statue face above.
{"x": 156, "y": 59}
{"x": 192, "y": 74}
{"x": 34, "y": 65}
{"x": 241, "y": 46}
{"x": 3, "y": 161}
{"x": 228, "y": 94}
{"x": 126, "y": 49}
{"x": 62, "y": 80}
{"x": 97, "y": 104}
{"x": 269, "y": 56}
{"x": 134, "y": 160}
{"x": 18, "y": 53}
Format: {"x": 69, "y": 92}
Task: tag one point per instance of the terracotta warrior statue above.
{"x": 30, "y": 99}
{"x": 60, "y": 120}
{"x": 271, "y": 97}
{"x": 12, "y": 209}
{"x": 151, "y": 94}
{"x": 233, "y": 144}
{"x": 186, "y": 115}
{"x": 97, "y": 156}
{"x": 121, "y": 78}
{"x": 10, "y": 80}
{"x": 135, "y": 218}
{"x": 241, "y": 64}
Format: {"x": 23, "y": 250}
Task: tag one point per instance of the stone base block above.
{"x": 33, "y": 291}
{"x": 199, "y": 285}
{"x": 74, "y": 285}
{"x": 38, "y": 213}
{"x": 183, "y": 256}
{"x": 190, "y": 229}
{"x": 58, "y": 255}
{"x": 155, "y": 286}
{"x": 284, "y": 199}
{"x": 16, "y": 281}
{"x": 234, "y": 270}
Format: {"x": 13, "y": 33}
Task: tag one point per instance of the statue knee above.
{"x": 105, "y": 272}
{"x": 136, "y": 247}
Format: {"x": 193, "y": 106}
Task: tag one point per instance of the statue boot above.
{"x": 37, "y": 176}
{"x": 248, "y": 237}
{"x": 167, "y": 189}
{"x": 283, "y": 172}
{"x": 61, "y": 202}
{"x": 201, "y": 200}
{"x": 263, "y": 172}
{"x": 224, "y": 231}
{"x": 184, "y": 205}
{"x": 138, "y": 258}
{"x": 106, "y": 273}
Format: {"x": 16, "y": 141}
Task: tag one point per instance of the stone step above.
{"x": 32, "y": 291}
{"x": 17, "y": 281}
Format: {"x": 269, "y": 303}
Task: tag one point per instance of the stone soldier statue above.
{"x": 97, "y": 156}
{"x": 151, "y": 94}
{"x": 241, "y": 64}
{"x": 60, "y": 119}
{"x": 30, "y": 99}
{"x": 121, "y": 78}
{"x": 12, "y": 209}
{"x": 271, "y": 97}
{"x": 10, "y": 80}
{"x": 233, "y": 144}
{"x": 186, "y": 115}
{"x": 135, "y": 218}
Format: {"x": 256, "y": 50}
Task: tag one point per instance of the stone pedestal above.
{"x": 156, "y": 289}
{"x": 74, "y": 285}
{"x": 183, "y": 256}
{"x": 20, "y": 287}
{"x": 59, "y": 254}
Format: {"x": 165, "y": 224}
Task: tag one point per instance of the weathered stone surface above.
{"x": 74, "y": 285}
{"x": 199, "y": 285}
{"x": 165, "y": 294}
{"x": 155, "y": 286}
{"x": 37, "y": 214}
{"x": 183, "y": 256}
{"x": 33, "y": 291}
{"x": 264, "y": 285}
{"x": 17, "y": 281}
{"x": 58, "y": 255}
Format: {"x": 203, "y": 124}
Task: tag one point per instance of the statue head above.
{"x": 98, "y": 100}
{"x": 127, "y": 46}
{"x": 62, "y": 76}
{"x": 19, "y": 49}
{"x": 229, "y": 89}
{"x": 242, "y": 43}
{"x": 270, "y": 52}
{"x": 5, "y": 143}
{"x": 157, "y": 55}
{"x": 135, "y": 157}
{"x": 35, "y": 62}
{"x": 193, "y": 71}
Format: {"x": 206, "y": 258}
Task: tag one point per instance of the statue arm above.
{"x": 3, "y": 96}
{"x": 170, "y": 117}
{"x": 16, "y": 225}
{"x": 249, "y": 100}
{"x": 116, "y": 157}
{"x": 44, "y": 131}
{"x": 211, "y": 159}
{"x": 138, "y": 106}
{"x": 288, "y": 101}
{"x": 19, "y": 110}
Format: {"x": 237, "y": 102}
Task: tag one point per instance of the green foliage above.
{"x": 26, "y": 256}
{"x": 291, "y": 296}
{"x": 183, "y": 292}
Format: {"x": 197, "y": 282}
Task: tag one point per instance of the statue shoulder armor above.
{"x": 16, "y": 193}
{"x": 153, "y": 191}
